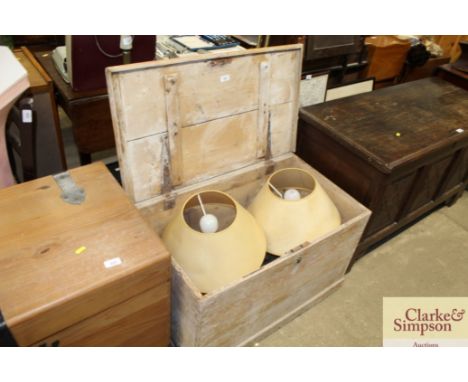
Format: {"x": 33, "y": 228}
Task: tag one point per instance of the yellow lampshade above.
{"x": 213, "y": 260}
{"x": 289, "y": 223}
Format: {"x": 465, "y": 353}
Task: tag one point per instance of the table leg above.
{"x": 85, "y": 158}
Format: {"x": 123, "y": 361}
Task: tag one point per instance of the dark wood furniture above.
{"x": 424, "y": 71}
{"x": 88, "y": 111}
{"x": 249, "y": 41}
{"x": 342, "y": 56}
{"x": 21, "y": 139}
{"x": 336, "y": 46}
{"x": 40, "y": 151}
{"x": 462, "y": 61}
{"x": 453, "y": 75}
{"x": 38, "y": 41}
{"x": 89, "y": 56}
{"x": 401, "y": 151}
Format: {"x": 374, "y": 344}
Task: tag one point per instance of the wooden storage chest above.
{"x": 89, "y": 274}
{"x": 225, "y": 121}
{"x": 400, "y": 151}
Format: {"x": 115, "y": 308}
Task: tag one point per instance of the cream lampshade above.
{"x": 292, "y": 208}
{"x": 215, "y": 240}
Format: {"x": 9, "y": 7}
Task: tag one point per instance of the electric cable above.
{"x": 104, "y": 52}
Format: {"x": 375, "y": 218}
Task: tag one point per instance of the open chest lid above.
{"x": 181, "y": 121}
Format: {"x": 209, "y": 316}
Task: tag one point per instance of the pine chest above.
{"x": 224, "y": 122}
{"x": 84, "y": 270}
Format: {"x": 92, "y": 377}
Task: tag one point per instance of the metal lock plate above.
{"x": 71, "y": 193}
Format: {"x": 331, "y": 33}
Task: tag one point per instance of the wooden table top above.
{"x": 38, "y": 80}
{"x": 395, "y": 125}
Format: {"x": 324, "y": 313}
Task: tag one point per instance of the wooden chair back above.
{"x": 386, "y": 56}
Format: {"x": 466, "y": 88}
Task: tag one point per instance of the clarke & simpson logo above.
{"x": 418, "y": 321}
{"x": 425, "y": 321}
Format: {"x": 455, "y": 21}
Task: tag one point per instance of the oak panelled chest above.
{"x": 400, "y": 151}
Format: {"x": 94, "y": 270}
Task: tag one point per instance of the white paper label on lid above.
{"x": 224, "y": 78}
{"x": 113, "y": 262}
{"x": 27, "y": 116}
{"x": 459, "y": 130}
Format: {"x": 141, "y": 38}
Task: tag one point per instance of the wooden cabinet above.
{"x": 86, "y": 274}
{"x": 49, "y": 157}
{"x": 88, "y": 111}
{"x": 401, "y": 150}
{"x": 343, "y": 57}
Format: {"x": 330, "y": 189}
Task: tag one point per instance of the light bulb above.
{"x": 292, "y": 194}
{"x": 209, "y": 223}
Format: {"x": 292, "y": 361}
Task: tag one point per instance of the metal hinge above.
{"x": 169, "y": 202}
{"x": 71, "y": 193}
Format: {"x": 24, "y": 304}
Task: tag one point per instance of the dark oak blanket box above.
{"x": 401, "y": 151}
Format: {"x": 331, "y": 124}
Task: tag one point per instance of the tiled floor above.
{"x": 428, "y": 259}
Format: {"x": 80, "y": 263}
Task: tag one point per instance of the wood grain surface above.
{"x": 236, "y": 116}
{"x": 45, "y": 284}
{"x": 37, "y": 81}
{"x": 353, "y": 141}
{"x": 253, "y": 306}
{"x": 426, "y": 113}
{"x": 219, "y": 112}
{"x": 451, "y": 74}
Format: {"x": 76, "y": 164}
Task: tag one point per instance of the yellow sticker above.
{"x": 397, "y": 134}
{"x": 80, "y": 250}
